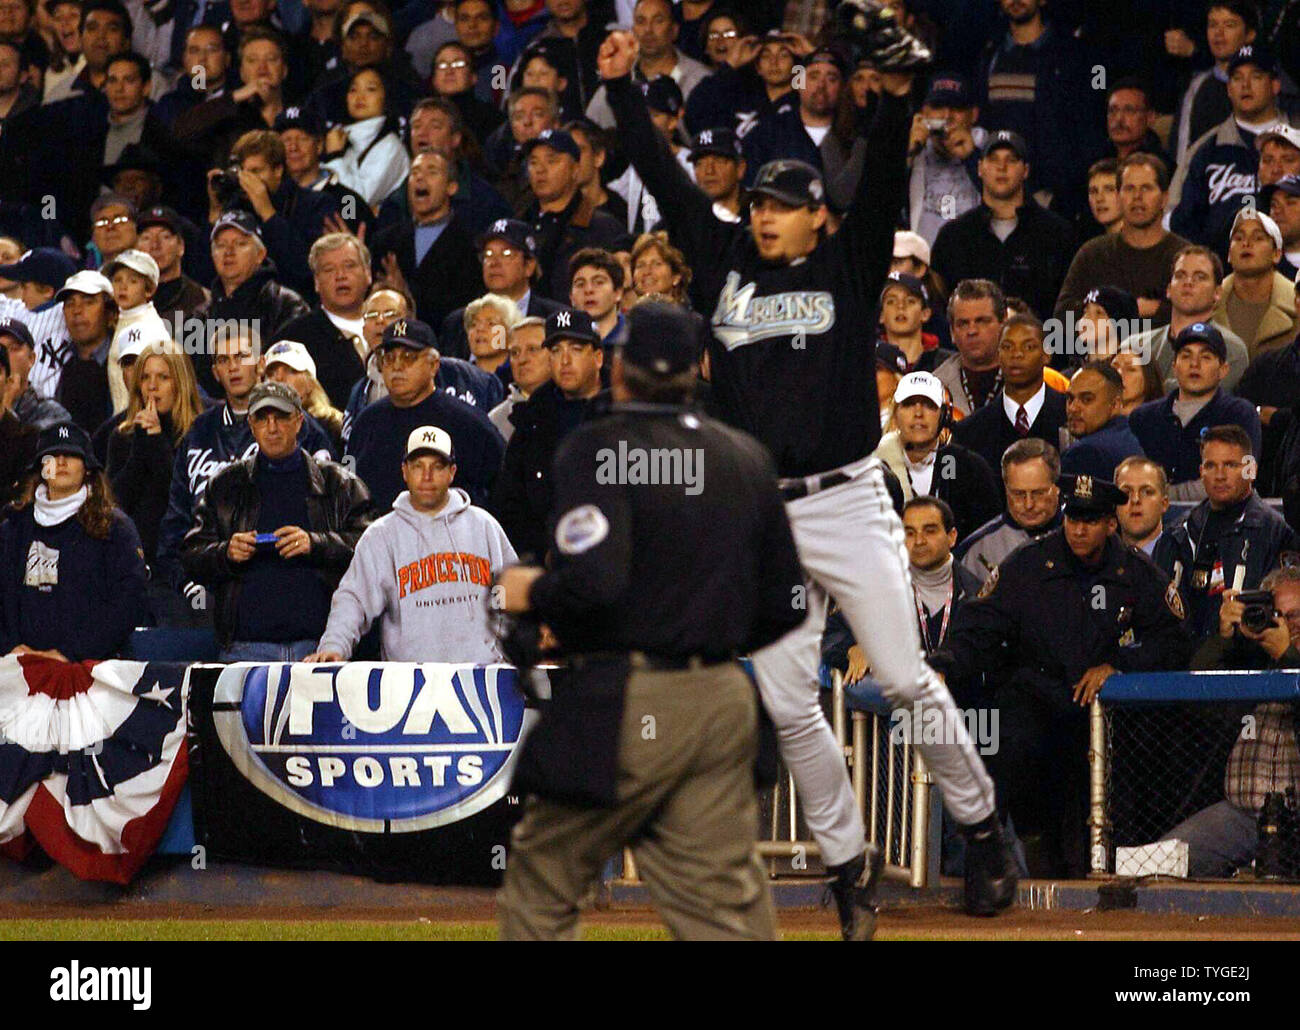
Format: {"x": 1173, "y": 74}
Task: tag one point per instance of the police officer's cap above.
{"x": 661, "y": 338}
{"x": 1088, "y": 498}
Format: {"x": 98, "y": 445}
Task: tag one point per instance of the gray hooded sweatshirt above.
{"x": 428, "y": 577}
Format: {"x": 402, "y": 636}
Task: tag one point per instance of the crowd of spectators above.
{"x": 298, "y": 300}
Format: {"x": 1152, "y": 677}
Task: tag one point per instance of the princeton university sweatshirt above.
{"x": 428, "y": 577}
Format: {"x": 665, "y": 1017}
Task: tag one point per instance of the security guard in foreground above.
{"x": 1058, "y": 616}
{"x": 672, "y": 555}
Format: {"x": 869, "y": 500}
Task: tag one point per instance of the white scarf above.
{"x": 51, "y": 513}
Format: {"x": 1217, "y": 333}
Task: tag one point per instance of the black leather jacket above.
{"x": 338, "y": 508}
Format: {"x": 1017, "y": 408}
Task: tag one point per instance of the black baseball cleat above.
{"x": 873, "y": 27}
{"x": 854, "y": 890}
{"x": 990, "y": 869}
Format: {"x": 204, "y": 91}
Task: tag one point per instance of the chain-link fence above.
{"x": 1194, "y": 775}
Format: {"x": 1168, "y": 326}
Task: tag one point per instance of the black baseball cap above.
{"x": 1202, "y": 332}
{"x": 570, "y": 324}
{"x": 134, "y": 157}
{"x": 245, "y": 221}
{"x": 48, "y": 266}
{"x": 1253, "y": 53}
{"x": 1288, "y": 184}
{"x": 557, "y": 139}
{"x": 1088, "y": 498}
{"x": 792, "y": 182}
{"x": 661, "y": 338}
{"x": 948, "y": 91}
{"x": 1118, "y": 304}
{"x": 410, "y": 333}
{"x": 160, "y": 215}
{"x": 828, "y": 55}
{"x": 722, "y": 142}
{"x": 303, "y": 118}
{"x": 891, "y": 357}
{"x": 516, "y": 233}
{"x": 662, "y": 94}
{"x": 910, "y": 283}
{"x": 65, "y": 438}
{"x": 1009, "y": 140}
{"x": 18, "y": 330}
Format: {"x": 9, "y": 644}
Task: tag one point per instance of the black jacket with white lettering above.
{"x": 792, "y": 354}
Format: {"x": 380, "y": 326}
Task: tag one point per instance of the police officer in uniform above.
{"x": 672, "y": 555}
{"x": 1061, "y": 614}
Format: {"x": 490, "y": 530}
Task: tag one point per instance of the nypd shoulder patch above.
{"x": 580, "y": 529}
{"x": 1174, "y": 601}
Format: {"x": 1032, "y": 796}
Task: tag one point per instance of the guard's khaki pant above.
{"x": 686, "y": 807}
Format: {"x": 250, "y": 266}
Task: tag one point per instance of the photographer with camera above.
{"x": 1258, "y": 629}
{"x": 944, "y": 183}
{"x": 289, "y": 217}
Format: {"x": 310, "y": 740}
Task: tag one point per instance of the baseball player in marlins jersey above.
{"x": 793, "y": 363}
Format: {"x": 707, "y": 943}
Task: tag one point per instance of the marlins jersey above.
{"x": 793, "y": 347}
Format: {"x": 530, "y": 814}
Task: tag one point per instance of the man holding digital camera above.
{"x": 1257, "y": 630}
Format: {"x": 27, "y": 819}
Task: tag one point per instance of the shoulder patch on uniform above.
{"x": 580, "y": 529}
{"x": 1174, "y": 601}
{"x": 990, "y": 584}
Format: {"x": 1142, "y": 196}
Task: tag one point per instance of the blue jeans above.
{"x": 1219, "y": 839}
{"x": 266, "y": 651}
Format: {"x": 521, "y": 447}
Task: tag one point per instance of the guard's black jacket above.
{"x": 1048, "y": 623}
{"x": 792, "y": 353}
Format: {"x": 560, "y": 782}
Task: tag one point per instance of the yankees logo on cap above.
{"x": 63, "y": 432}
{"x": 500, "y": 225}
{"x": 429, "y": 438}
{"x": 563, "y": 319}
{"x": 706, "y": 137}
{"x": 568, "y": 324}
{"x": 399, "y": 327}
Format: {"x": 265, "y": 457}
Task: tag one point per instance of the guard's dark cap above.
{"x": 516, "y": 233}
{"x": 1202, "y": 332}
{"x": 65, "y": 438}
{"x": 410, "y": 333}
{"x": 1088, "y": 498}
{"x": 791, "y": 182}
{"x": 722, "y": 142}
{"x": 1009, "y": 140}
{"x": 571, "y": 324}
{"x": 661, "y": 338}
{"x": 662, "y": 94}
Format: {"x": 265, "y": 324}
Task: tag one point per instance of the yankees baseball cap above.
{"x": 48, "y": 266}
{"x": 245, "y": 221}
{"x": 919, "y": 384}
{"x": 1288, "y": 134}
{"x": 908, "y": 244}
{"x": 1253, "y": 53}
{"x": 1206, "y": 333}
{"x": 293, "y": 354}
{"x": 948, "y": 91}
{"x": 722, "y": 142}
{"x": 65, "y": 438}
{"x": 86, "y": 281}
{"x": 792, "y": 182}
{"x": 429, "y": 439}
{"x": 661, "y": 338}
{"x": 1118, "y": 304}
{"x": 303, "y": 118}
{"x": 1288, "y": 184}
{"x": 1006, "y": 139}
{"x": 278, "y": 396}
{"x": 410, "y": 333}
{"x": 910, "y": 283}
{"x": 136, "y": 340}
{"x": 557, "y": 139}
{"x": 570, "y": 324}
{"x": 18, "y": 330}
{"x": 1088, "y": 498}
{"x": 137, "y": 261}
{"x": 160, "y": 215}
{"x": 662, "y": 94}
{"x": 514, "y": 232}
{"x": 1252, "y": 214}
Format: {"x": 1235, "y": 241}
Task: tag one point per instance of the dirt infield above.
{"x": 472, "y": 916}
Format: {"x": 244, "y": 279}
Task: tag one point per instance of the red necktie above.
{"x": 1022, "y": 421}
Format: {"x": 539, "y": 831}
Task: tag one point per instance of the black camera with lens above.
{"x": 227, "y": 189}
{"x": 1259, "y": 610}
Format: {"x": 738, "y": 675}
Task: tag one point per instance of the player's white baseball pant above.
{"x": 850, "y": 542}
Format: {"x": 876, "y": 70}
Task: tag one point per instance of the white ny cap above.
{"x": 908, "y": 244}
{"x": 429, "y": 438}
{"x": 919, "y": 384}
{"x": 293, "y": 354}
{"x": 136, "y": 260}
{"x": 1248, "y": 214}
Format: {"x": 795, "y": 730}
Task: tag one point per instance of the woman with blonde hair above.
{"x": 659, "y": 267}
{"x": 163, "y": 404}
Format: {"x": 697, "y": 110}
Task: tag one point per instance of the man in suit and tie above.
{"x": 1024, "y": 406}
{"x": 431, "y": 254}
